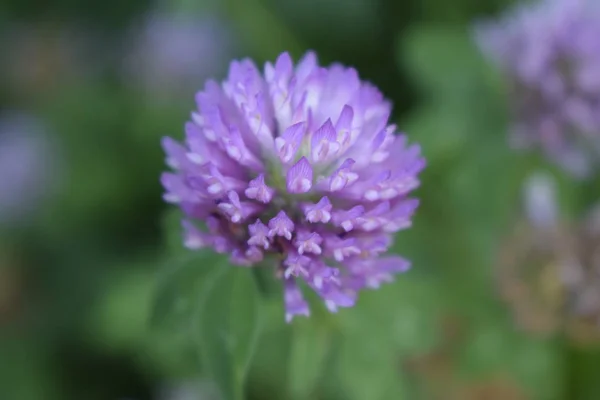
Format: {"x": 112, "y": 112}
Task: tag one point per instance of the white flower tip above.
{"x": 347, "y": 226}
{"x": 172, "y": 198}
{"x": 371, "y": 195}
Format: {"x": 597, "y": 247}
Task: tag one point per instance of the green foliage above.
{"x": 176, "y": 298}
{"x": 310, "y": 346}
{"x": 228, "y": 326}
{"x": 366, "y": 369}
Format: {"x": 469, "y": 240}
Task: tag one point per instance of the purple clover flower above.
{"x": 299, "y": 163}
{"x": 29, "y": 165}
{"x": 550, "y": 51}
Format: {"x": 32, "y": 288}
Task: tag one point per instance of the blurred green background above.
{"x": 98, "y": 299}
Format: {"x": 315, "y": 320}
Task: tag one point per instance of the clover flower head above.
{"x": 550, "y": 52}
{"x": 297, "y": 164}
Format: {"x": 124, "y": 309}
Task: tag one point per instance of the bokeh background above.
{"x": 95, "y": 300}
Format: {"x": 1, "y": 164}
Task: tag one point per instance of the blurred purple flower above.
{"x": 550, "y": 50}
{"x": 171, "y": 52}
{"x": 27, "y": 165}
{"x": 549, "y": 268}
{"x": 299, "y": 163}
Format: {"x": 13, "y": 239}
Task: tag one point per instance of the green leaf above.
{"x": 444, "y": 60}
{"x": 311, "y": 343}
{"x": 228, "y": 328}
{"x": 441, "y": 131}
{"x": 176, "y": 295}
{"x": 368, "y": 369}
